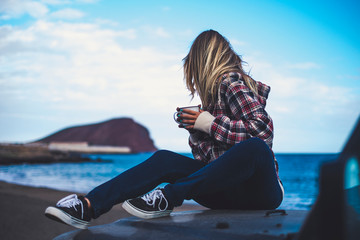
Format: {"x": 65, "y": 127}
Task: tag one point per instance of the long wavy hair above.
{"x": 211, "y": 56}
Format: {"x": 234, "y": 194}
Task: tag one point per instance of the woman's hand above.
{"x": 187, "y": 117}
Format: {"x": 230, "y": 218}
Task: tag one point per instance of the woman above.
{"x": 231, "y": 139}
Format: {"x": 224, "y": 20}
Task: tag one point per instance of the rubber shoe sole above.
{"x": 144, "y": 214}
{"x": 63, "y": 217}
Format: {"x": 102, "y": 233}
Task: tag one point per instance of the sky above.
{"x": 74, "y": 62}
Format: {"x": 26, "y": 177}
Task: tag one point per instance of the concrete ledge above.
{"x": 205, "y": 224}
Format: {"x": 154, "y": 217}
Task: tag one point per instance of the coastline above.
{"x": 22, "y": 212}
{"x": 14, "y": 154}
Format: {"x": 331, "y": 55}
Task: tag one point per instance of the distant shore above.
{"x": 35, "y": 153}
{"x": 22, "y": 212}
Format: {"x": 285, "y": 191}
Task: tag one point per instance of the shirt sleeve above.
{"x": 199, "y": 146}
{"x": 249, "y": 118}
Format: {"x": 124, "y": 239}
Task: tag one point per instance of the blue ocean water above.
{"x": 298, "y": 172}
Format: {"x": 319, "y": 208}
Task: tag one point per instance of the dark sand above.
{"x": 22, "y": 213}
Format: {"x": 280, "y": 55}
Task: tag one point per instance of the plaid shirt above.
{"x": 239, "y": 115}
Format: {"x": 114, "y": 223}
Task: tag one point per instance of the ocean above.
{"x": 298, "y": 172}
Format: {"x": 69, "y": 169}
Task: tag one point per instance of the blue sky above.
{"x": 71, "y": 62}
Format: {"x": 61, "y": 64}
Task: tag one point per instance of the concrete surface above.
{"x": 204, "y": 224}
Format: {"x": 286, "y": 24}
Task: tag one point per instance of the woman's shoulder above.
{"x": 232, "y": 81}
{"x": 231, "y": 77}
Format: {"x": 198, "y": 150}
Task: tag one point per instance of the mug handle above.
{"x": 175, "y": 116}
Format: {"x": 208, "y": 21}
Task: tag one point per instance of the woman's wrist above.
{"x": 203, "y": 122}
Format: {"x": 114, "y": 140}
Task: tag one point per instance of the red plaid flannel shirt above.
{"x": 239, "y": 115}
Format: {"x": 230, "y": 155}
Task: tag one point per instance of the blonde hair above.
{"x": 211, "y": 56}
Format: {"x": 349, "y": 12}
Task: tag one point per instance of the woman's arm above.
{"x": 249, "y": 118}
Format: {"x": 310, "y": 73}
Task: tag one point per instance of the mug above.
{"x": 193, "y": 108}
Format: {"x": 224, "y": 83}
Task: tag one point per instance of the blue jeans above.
{"x": 242, "y": 178}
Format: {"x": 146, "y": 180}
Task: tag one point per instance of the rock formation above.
{"x": 119, "y": 132}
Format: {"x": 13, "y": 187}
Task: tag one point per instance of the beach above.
{"x": 22, "y": 213}
{"x": 22, "y": 207}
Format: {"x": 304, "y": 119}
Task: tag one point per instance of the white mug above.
{"x": 193, "y": 108}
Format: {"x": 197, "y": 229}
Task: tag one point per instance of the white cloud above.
{"x": 106, "y": 22}
{"x": 166, "y": 8}
{"x": 63, "y": 2}
{"x": 161, "y": 32}
{"x": 301, "y": 95}
{"x": 67, "y": 13}
{"x": 303, "y": 106}
{"x": 348, "y": 77}
{"x": 16, "y": 8}
{"x": 87, "y": 1}
{"x": 39, "y": 9}
{"x": 83, "y": 68}
{"x": 156, "y": 32}
{"x": 56, "y": 2}
{"x": 304, "y": 66}
{"x": 237, "y": 43}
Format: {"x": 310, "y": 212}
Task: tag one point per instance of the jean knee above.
{"x": 255, "y": 141}
{"x": 259, "y": 146}
{"x": 161, "y": 157}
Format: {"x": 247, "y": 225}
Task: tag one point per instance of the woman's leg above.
{"x": 162, "y": 166}
{"x": 242, "y": 178}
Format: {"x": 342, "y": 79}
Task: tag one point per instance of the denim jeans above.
{"x": 242, "y": 178}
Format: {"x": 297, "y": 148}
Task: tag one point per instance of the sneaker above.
{"x": 151, "y": 205}
{"x": 71, "y": 210}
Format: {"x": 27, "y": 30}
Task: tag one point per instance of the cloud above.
{"x": 304, "y": 66}
{"x": 56, "y": 74}
{"x": 302, "y": 95}
{"x": 39, "y": 9}
{"x": 348, "y": 77}
{"x": 87, "y": 1}
{"x": 161, "y": 32}
{"x": 106, "y": 22}
{"x": 166, "y": 8}
{"x": 56, "y": 2}
{"x": 156, "y": 32}
{"x": 16, "y": 8}
{"x": 63, "y": 2}
{"x": 302, "y": 106}
{"x": 237, "y": 43}
{"x": 67, "y": 13}
{"x": 83, "y": 67}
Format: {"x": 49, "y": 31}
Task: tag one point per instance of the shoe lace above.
{"x": 71, "y": 201}
{"x": 151, "y": 197}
